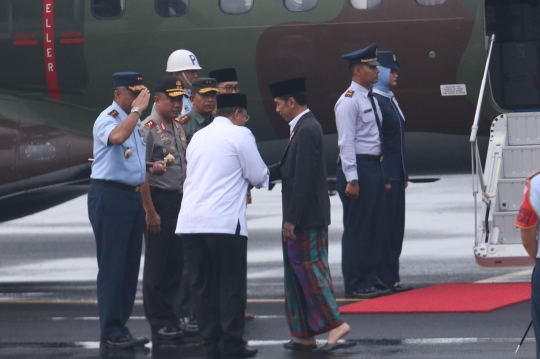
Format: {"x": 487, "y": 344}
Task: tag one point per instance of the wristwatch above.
{"x": 354, "y": 182}
{"x": 136, "y": 109}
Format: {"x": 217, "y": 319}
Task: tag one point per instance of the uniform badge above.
{"x": 162, "y": 126}
{"x": 172, "y": 148}
{"x": 368, "y": 110}
{"x": 113, "y": 113}
{"x": 150, "y": 124}
{"x": 128, "y": 153}
{"x": 164, "y": 150}
{"x": 183, "y": 138}
{"x": 184, "y": 119}
{"x": 349, "y": 93}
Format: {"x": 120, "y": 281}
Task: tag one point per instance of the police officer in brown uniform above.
{"x": 203, "y": 98}
{"x": 162, "y": 196}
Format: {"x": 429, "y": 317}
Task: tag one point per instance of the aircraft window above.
{"x": 171, "y": 8}
{"x": 235, "y": 7}
{"x": 300, "y": 5}
{"x": 430, "y": 2}
{"x": 365, "y": 4}
{"x": 108, "y": 9}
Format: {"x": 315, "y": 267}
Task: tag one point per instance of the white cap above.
{"x": 182, "y": 60}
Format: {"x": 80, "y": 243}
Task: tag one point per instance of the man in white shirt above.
{"x": 223, "y": 161}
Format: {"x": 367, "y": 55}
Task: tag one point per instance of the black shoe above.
{"x": 292, "y": 345}
{"x": 138, "y": 342}
{"x": 400, "y": 287}
{"x": 189, "y": 326}
{"x": 369, "y": 293}
{"x": 170, "y": 332}
{"x": 123, "y": 342}
{"x": 381, "y": 286}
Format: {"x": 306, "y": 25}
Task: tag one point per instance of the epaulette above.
{"x": 113, "y": 113}
{"x": 150, "y": 124}
{"x": 184, "y": 119}
{"x": 349, "y": 93}
{"x": 533, "y": 175}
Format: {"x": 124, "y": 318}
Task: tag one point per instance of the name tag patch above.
{"x": 368, "y": 110}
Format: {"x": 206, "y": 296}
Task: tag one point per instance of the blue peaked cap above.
{"x": 367, "y": 55}
{"x": 388, "y": 59}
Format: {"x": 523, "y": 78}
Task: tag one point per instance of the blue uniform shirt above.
{"x": 110, "y": 162}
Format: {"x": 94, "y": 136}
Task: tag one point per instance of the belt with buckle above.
{"x": 170, "y": 191}
{"x": 371, "y": 157}
{"x": 114, "y": 184}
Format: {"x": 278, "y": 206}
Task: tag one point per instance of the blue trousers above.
{"x": 394, "y": 230}
{"x": 535, "y": 305}
{"x": 117, "y": 220}
{"x": 363, "y": 222}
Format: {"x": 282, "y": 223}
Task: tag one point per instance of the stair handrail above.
{"x": 476, "y": 164}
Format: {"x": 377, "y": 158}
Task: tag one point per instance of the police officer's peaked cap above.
{"x": 170, "y": 85}
{"x": 204, "y": 85}
{"x": 224, "y": 75}
{"x": 133, "y": 81}
{"x": 367, "y": 55}
{"x": 288, "y": 87}
{"x": 388, "y": 59}
{"x": 232, "y": 100}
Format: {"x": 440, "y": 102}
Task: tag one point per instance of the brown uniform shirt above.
{"x": 163, "y": 139}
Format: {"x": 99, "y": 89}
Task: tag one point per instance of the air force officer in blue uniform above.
{"x": 394, "y": 163}
{"x": 360, "y": 177}
{"x": 115, "y": 206}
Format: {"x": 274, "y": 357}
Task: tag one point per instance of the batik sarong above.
{"x": 310, "y": 303}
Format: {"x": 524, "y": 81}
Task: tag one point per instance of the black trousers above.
{"x": 117, "y": 219}
{"x": 394, "y": 230}
{"x": 217, "y": 273}
{"x": 363, "y": 223}
{"x": 164, "y": 262}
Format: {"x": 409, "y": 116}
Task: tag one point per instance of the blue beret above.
{"x": 288, "y": 87}
{"x": 367, "y": 55}
{"x": 130, "y": 80}
{"x": 388, "y": 59}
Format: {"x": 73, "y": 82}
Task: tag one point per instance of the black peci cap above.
{"x": 288, "y": 87}
{"x": 224, "y": 75}
{"x": 170, "y": 85}
{"x": 232, "y": 100}
{"x": 367, "y": 55}
{"x": 130, "y": 80}
{"x": 388, "y": 59}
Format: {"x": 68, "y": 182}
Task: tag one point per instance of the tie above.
{"x": 379, "y": 126}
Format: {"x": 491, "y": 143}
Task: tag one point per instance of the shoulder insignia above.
{"x": 113, "y": 113}
{"x": 184, "y": 119}
{"x": 150, "y": 124}
{"x": 349, "y": 93}
{"x": 162, "y": 126}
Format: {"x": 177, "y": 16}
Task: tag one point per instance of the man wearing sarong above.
{"x": 309, "y": 296}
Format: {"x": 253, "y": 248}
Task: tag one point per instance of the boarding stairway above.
{"x": 513, "y": 154}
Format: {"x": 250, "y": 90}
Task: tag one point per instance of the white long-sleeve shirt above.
{"x": 222, "y": 159}
{"x": 356, "y": 127}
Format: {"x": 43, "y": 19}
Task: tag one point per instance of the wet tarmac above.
{"x": 48, "y": 300}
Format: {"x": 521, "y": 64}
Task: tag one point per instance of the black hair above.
{"x": 299, "y": 97}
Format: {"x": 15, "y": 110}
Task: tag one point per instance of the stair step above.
{"x": 523, "y": 128}
{"x": 510, "y": 193}
{"x": 520, "y": 161}
{"x": 508, "y": 232}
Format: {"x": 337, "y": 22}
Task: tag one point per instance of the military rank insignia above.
{"x": 349, "y": 93}
{"x": 162, "y": 126}
{"x": 150, "y": 124}
{"x": 183, "y": 138}
{"x": 113, "y": 113}
{"x": 184, "y": 119}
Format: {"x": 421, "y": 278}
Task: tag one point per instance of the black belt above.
{"x": 114, "y": 184}
{"x": 168, "y": 191}
{"x": 371, "y": 158}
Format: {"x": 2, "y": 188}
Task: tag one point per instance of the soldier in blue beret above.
{"x": 360, "y": 178}
{"x": 394, "y": 163}
{"x": 115, "y": 206}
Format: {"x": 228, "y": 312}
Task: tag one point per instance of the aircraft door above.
{"x": 8, "y": 138}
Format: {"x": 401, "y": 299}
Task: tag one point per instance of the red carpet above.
{"x": 446, "y": 298}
